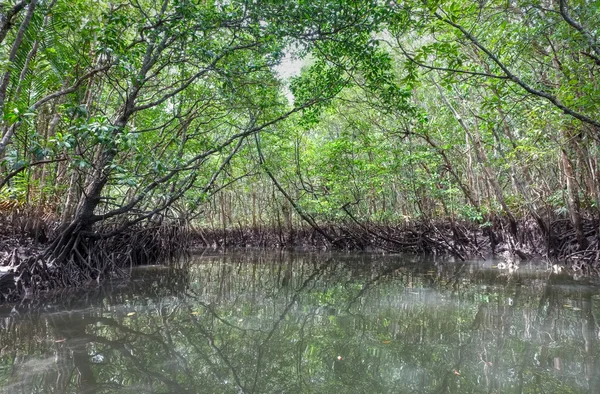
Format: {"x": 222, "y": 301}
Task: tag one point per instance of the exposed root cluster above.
{"x": 462, "y": 240}
{"x": 565, "y": 245}
{"x": 77, "y": 258}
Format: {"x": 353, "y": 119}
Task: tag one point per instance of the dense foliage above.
{"x": 492, "y": 110}
{"x": 119, "y": 113}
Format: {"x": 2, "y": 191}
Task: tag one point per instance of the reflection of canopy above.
{"x": 294, "y": 323}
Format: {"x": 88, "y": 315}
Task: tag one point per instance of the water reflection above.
{"x": 308, "y": 323}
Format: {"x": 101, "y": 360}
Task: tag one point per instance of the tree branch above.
{"x": 512, "y": 77}
{"x": 6, "y": 18}
{"x": 305, "y": 216}
{"x": 577, "y": 26}
{"x": 450, "y": 70}
{"x": 72, "y": 88}
{"x": 13, "y": 51}
{"x": 251, "y": 130}
{"x": 14, "y": 173}
{"x": 13, "y": 128}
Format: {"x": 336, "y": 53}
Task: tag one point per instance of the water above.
{"x": 310, "y": 323}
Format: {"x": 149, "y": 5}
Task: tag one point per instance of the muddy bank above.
{"x": 463, "y": 240}
{"x": 25, "y": 244}
{"x": 28, "y": 262}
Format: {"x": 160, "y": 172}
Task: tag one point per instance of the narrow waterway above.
{"x": 310, "y": 323}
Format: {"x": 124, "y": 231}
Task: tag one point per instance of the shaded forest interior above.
{"x": 131, "y": 130}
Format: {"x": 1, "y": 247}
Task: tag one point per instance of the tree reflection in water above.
{"x": 309, "y": 323}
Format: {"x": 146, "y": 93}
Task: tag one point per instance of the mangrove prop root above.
{"x": 462, "y": 240}
{"x": 76, "y": 259}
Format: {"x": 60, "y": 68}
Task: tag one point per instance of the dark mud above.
{"x": 26, "y": 243}
{"x": 463, "y": 240}
{"x": 29, "y": 266}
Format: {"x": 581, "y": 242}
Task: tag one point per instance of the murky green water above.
{"x": 309, "y": 323}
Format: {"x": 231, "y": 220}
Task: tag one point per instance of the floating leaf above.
{"x": 131, "y": 314}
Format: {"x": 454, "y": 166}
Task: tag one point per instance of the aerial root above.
{"x": 77, "y": 259}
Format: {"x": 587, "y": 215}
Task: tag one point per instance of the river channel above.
{"x": 258, "y": 322}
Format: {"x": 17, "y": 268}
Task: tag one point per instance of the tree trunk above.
{"x": 12, "y": 56}
{"x": 482, "y": 158}
{"x": 573, "y": 200}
